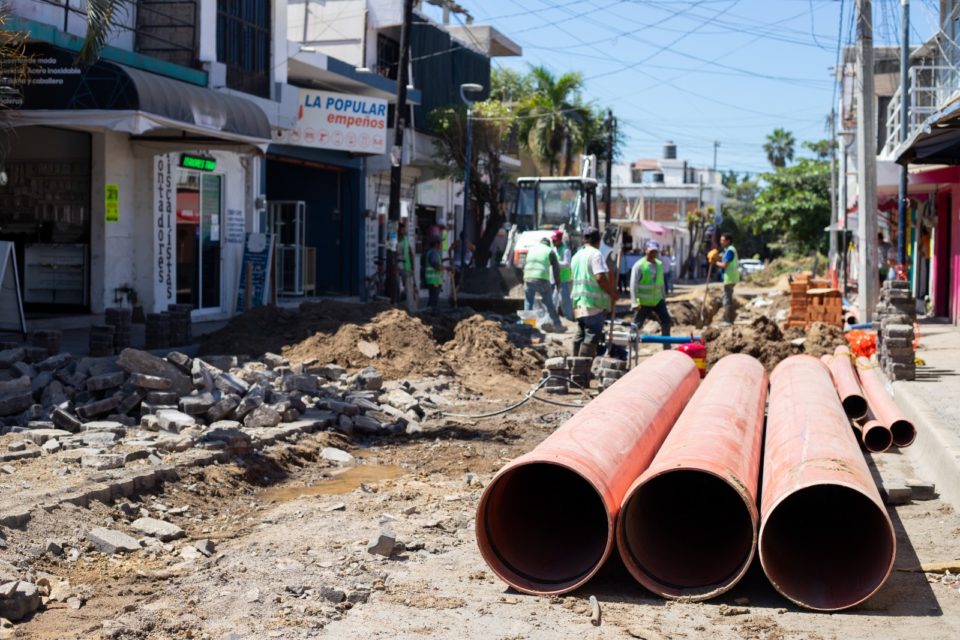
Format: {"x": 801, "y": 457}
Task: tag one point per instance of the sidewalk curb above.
{"x": 936, "y": 450}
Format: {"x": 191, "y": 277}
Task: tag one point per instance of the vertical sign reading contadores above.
{"x": 163, "y": 221}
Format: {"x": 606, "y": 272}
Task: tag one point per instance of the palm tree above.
{"x": 103, "y": 18}
{"x": 779, "y": 147}
{"x": 553, "y": 124}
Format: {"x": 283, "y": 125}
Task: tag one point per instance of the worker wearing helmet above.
{"x": 647, "y": 293}
{"x": 731, "y": 275}
{"x": 594, "y": 294}
{"x": 564, "y": 258}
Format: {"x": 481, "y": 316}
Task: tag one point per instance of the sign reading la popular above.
{"x": 338, "y": 121}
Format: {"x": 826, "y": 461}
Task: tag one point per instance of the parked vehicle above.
{"x": 750, "y": 265}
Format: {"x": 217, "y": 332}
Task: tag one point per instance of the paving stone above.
{"x": 99, "y": 438}
{"x": 16, "y": 403}
{"x": 222, "y": 408}
{"x": 385, "y": 543}
{"x": 51, "y": 446}
{"x": 162, "y": 397}
{"x": 346, "y": 408}
{"x": 229, "y": 383}
{"x": 53, "y": 363}
{"x": 159, "y": 529}
{"x": 366, "y": 425}
{"x": 110, "y": 541}
{"x": 136, "y": 361}
{"x": 23, "y": 369}
{"x": 262, "y": 417}
{"x": 103, "y": 461}
{"x": 197, "y": 405}
{"x": 305, "y": 383}
{"x": 17, "y": 446}
{"x": 153, "y": 383}
{"x": 51, "y": 391}
{"x": 173, "y": 420}
{"x": 339, "y": 456}
{"x": 19, "y": 455}
{"x": 10, "y": 356}
{"x": 106, "y": 381}
{"x": 96, "y": 408}
{"x": 39, "y": 436}
{"x": 400, "y": 399}
{"x": 180, "y": 360}
{"x": 370, "y": 379}
{"x": 204, "y": 546}
{"x": 273, "y": 360}
{"x": 105, "y": 425}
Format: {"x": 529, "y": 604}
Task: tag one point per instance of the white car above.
{"x": 750, "y": 265}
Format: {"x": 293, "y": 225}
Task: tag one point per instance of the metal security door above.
{"x": 287, "y": 221}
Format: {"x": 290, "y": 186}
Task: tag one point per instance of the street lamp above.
{"x": 846, "y": 136}
{"x": 465, "y": 88}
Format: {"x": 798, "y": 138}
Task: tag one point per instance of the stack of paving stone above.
{"x": 579, "y": 371}
{"x": 158, "y": 330}
{"x": 101, "y": 340}
{"x": 608, "y": 371}
{"x": 49, "y": 340}
{"x": 557, "y": 374}
{"x": 181, "y": 326}
{"x": 120, "y": 318}
{"x": 897, "y": 312}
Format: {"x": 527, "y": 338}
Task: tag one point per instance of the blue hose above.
{"x": 646, "y": 337}
{"x": 863, "y": 325}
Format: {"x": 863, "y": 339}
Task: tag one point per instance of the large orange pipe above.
{"x": 826, "y": 541}
{"x": 545, "y": 523}
{"x": 883, "y": 406}
{"x": 846, "y": 381}
{"x": 688, "y": 525}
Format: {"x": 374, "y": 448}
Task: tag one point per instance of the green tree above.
{"x": 779, "y": 147}
{"x": 510, "y": 86}
{"x": 794, "y": 205}
{"x": 493, "y": 122}
{"x": 104, "y": 17}
{"x": 821, "y": 148}
{"x": 553, "y": 119}
{"x": 738, "y": 209}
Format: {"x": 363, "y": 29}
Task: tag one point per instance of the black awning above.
{"x": 937, "y": 146}
{"x": 57, "y": 84}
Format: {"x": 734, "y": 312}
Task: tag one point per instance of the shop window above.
{"x": 388, "y": 57}
{"x": 243, "y": 44}
{"x": 199, "y": 204}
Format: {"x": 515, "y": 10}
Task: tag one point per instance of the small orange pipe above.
{"x": 545, "y": 523}
{"x": 846, "y": 381}
{"x": 875, "y": 436}
{"x": 826, "y": 541}
{"x": 688, "y": 525}
{"x": 883, "y": 406}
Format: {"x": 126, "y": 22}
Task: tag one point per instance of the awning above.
{"x": 936, "y": 141}
{"x": 653, "y": 227}
{"x": 121, "y": 98}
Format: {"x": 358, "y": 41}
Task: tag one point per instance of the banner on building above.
{"x": 338, "y": 121}
{"x": 11, "y": 302}
{"x": 164, "y": 219}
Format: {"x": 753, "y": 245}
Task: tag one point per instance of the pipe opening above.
{"x": 545, "y": 526}
{"x": 687, "y": 530}
{"x": 903, "y": 432}
{"x": 855, "y": 406}
{"x": 827, "y": 547}
{"x": 877, "y": 439}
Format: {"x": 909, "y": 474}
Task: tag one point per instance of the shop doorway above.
{"x": 199, "y": 254}
{"x": 287, "y": 221}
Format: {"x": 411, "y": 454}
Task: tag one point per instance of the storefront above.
{"x": 129, "y": 186}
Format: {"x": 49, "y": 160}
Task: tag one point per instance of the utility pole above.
{"x": 832, "y": 255}
{"x": 396, "y": 153}
{"x": 903, "y": 195}
{"x": 867, "y": 289}
{"x": 611, "y": 124}
{"x": 716, "y": 145}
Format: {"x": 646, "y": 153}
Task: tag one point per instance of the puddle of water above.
{"x": 341, "y": 482}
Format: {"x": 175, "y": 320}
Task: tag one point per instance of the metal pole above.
{"x": 832, "y": 259}
{"x": 396, "y": 153}
{"x": 903, "y": 195}
{"x": 468, "y": 220}
{"x": 610, "y": 123}
{"x": 716, "y": 145}
{"x": 866, "y": 164}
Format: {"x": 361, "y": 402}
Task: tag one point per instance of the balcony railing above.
{"x": 929, "y": 87}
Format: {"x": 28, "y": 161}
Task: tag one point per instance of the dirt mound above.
{"x": 397, "y": 344}
{"x": 482, "y": 346}
{"x": 823, "y": 339}
{"x": 762, "y": 339}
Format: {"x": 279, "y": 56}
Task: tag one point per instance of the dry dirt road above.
{"x": 287, "y": 533}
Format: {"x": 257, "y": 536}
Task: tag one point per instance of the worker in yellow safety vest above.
{"x": 594, "y": 294}
{"x": 647, "y": 294}
{"x": 564, "y": 257}
{"x": 405, "y": 257}
{"x": 433, "y": 272}
{"x": 540, "y": 261}
{"x": 730, "y": 264}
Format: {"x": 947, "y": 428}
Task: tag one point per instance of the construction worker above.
{"x": 537, "y": 268}
{"x": 647, "y": 293}
{"x": 405, "y": 256}
{"x": 433, "y": 273}
{"x": 729, "y": 263}
{"x": 594, "y": 294}
{"x": 564, "y": 257}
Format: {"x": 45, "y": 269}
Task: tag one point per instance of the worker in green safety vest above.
{"x": 538, "y": 266}
{"x": 729, "y": 263}
{"x": 406, "y": 260}
{"x": 433, "y": 271}
{"x": 594, "y": 294}
{"x": 562, "y": 249}
{"x": 647, "y": 293}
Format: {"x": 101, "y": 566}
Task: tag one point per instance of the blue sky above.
{"x": 696, "y": 71}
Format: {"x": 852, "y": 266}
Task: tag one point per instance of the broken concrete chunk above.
{"x": 23, "y": 599}
{"x": 65, "y": 421}
{"x": 16, "y": 403}
{"x": 110, "y": 541}
{"x": 96, "y": 408}
{"x": 206, "y": 547}
{"x": 39, "y": 436}
{"x": 304, "y": 383}
{"x": 222, "y": 408}
{"x": 53, "y": 363}
{"x": 338, "y": 456}
{"x": 181, "y": 360}
{"x": 385, "y": 543}
{"x": 106, "y": 381}
{"x": 173, "y": 420}
{"x": 103, "y": 461}
{"x": 9, "y": 356}
{"x": 273, "y": 360}
{"x": 365, "y": 425}
{"x": 197, "y": 405}
{"x": 152, "y": 383}
{"x": 159, "y": 529}
{"x": 229, "y": 383}
{"x": 136, "y": 361}
{"x": 262, "y": 417}
{"x": 401, "y": 400}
